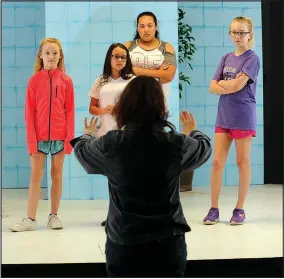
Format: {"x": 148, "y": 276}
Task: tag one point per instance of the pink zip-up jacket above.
{"x": 49, "y": 109}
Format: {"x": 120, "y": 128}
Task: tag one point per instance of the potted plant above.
{"x": 186, "y": 49}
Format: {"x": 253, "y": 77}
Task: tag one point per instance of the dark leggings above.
{"x": 159, "y": 258}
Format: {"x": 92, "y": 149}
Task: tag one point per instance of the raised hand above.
{"x": 90, "y": 128}
{"x": 187, "y": 121}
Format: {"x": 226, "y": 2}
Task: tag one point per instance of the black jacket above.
{"x": 143, "y": 171}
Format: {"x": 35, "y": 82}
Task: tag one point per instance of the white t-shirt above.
{"x": 107, "y": 95}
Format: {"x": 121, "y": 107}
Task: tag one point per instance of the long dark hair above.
{"x": 126, "y": 72}
{"x": 137, "y": 21}
{"x": 142, "y": 104}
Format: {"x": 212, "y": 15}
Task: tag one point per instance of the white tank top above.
{"x": 149, "y": 59}
{"x": 107, "y": 95}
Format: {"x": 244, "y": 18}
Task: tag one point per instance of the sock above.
{"x": 31, "y": 219}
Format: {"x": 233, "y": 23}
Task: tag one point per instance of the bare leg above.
{"x": 56, "y": 176}
{"x": 243, "y": 148}
{"x": 222, "y": 143}
{"x": 37, "y": 169}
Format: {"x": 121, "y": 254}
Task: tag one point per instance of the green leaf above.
{"x": 186, "y": 48}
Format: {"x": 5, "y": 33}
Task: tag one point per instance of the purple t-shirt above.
{"x": 238, "y": 110}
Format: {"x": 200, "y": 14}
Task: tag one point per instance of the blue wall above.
{"x": 86, "y": 30}
{"x": 22, "y": 29}
{"x": 210, "y": 21}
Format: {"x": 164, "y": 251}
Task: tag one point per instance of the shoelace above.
{"x": 238, "y": 212}
{"x": 211, "y": 212}
{"x": 54, "y": 217}
{"x": 24, "y": 220}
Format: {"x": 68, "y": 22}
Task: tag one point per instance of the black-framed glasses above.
{"x": 118, "y": 57}
{"x": 240, "y": 34}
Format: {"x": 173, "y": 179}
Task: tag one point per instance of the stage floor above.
{"x": 83, "y": 239}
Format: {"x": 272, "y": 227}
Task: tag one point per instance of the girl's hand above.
{"x": 165, "y": 66}
{"x": 187, "y": 121}
{"x": 90, "y": 128}
{"x": 110, "y": 109}
{"x": 239, "y": 74}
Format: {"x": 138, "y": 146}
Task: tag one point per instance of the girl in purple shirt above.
{"x": 235, "y": 81}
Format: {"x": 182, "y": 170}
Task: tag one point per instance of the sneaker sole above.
{"x": 14, "y": 230}
{"x": 208, "y": 222}
{"x": 56, "y": 228}
{"x": 49, "y": 225}
{"x": 236, "y": 224}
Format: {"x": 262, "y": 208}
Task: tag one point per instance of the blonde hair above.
{"x": 39, "y": 63}
{"x": 250, "y": 25}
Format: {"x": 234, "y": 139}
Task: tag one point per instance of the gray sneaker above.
{"x": 26, "y": 224}
{"x": 212, "y": 217}
{"x": 54, "y": 222}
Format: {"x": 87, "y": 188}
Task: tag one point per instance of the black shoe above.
{"x": 103, "y": 223}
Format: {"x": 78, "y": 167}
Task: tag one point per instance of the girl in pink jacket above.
{"x": 49, "y": 116}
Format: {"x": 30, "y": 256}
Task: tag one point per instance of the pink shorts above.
{"x": 236, "y": 134}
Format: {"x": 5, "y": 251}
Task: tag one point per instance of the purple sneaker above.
{"x": 238, "y": 217}
{"x": 212, "y": 217}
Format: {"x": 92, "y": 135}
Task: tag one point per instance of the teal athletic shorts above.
{"x": 52, "y": 146}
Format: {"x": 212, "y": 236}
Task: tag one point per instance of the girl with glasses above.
{"x": 117, "y": 73}
{"x": 106, "y": 89}
{"x": 235, "y": 81}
